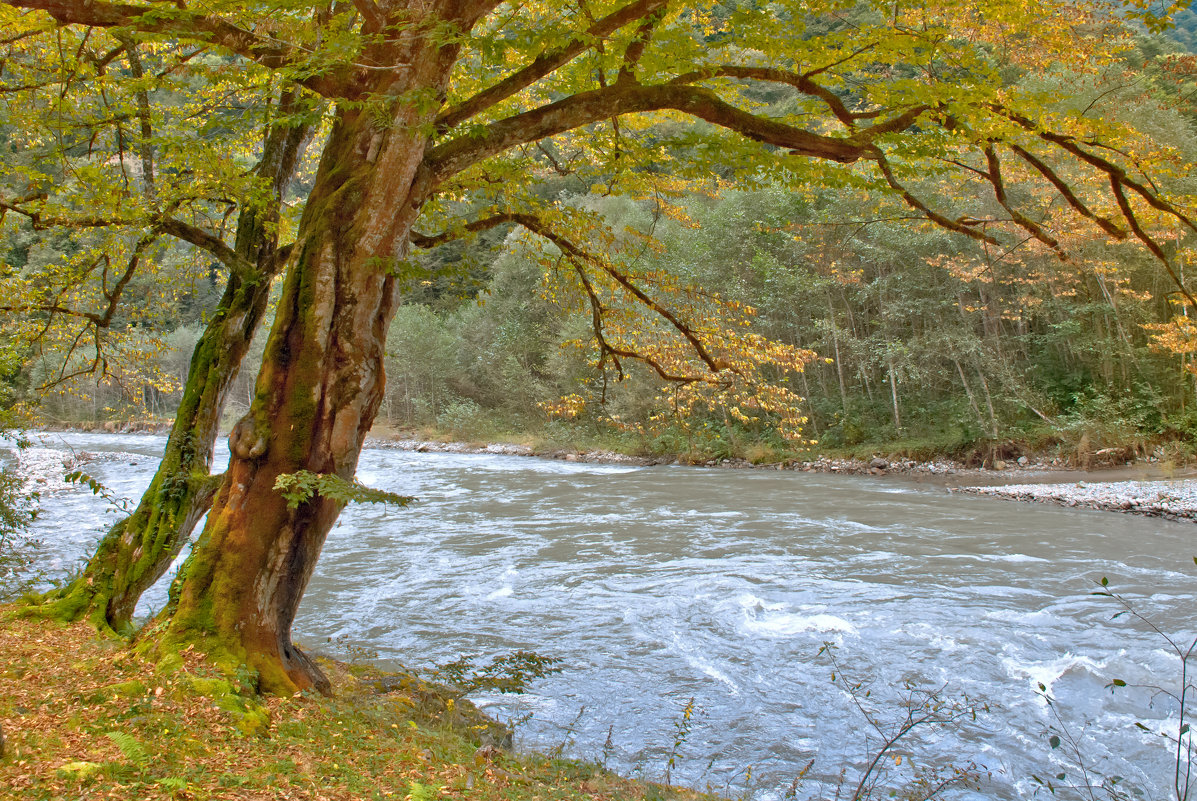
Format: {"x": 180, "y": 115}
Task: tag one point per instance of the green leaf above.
{"x": 1054, "y": 742}
{"x": 303, "y": 485}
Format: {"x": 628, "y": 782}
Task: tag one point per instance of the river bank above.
{"x": 84, "y": 717}
{"x": 654, "y": 586}
{"x": 1144, "y": 488}
{"x": 1148, "y": 486}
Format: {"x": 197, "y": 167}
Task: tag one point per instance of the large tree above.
{"x": 448, "y": 111}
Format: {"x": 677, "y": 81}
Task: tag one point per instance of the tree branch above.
{"x": 205, "y": 241}
{"x": 959, "y": 225}
{"x": 994, "y": 177}
{"x": 1133, "y": 221}
{"x": 577, "y": 256}
{"x": 1066, "y": 192}
{"x": 635, "y": 51}
{"x": 177, "y": 21}
{"x": 802, "y": 83}
{"x": 546, "y": 63}
{"x": 585, "y": 108}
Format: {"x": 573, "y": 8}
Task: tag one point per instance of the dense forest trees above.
{"x": 452, "y": 118}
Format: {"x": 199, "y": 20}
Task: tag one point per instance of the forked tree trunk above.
{"x": 136, "y": 551}
{"x": 320, "y": 386}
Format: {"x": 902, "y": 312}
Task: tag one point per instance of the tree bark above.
{"x": 137, "y": 551}
{"x": 320, "y": 386}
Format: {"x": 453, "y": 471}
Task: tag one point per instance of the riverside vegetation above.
{"x": 87, "y": 718}
{"x": 928, "y": 345}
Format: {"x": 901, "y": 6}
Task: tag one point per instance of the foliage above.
{"x": 115, "y": 501}
{"x": 681, "y": 733}
{"x": 304, "y": 485}
{"x": 452, "y": 118}
{"x": 19, "y": 558}
{"x": 505, "y": 673}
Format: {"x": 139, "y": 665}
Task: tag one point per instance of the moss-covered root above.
{"x": 133, "y": 554}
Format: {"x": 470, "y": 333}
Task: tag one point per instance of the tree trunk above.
{"x": 137, "y": 551}
{"x": 320, "y": 386}
{"x": 893, "y": 392}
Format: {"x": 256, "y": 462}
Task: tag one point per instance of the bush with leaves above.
{"x": 19, "y": 564}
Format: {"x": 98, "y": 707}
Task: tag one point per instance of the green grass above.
{"x": 87, "y": 717}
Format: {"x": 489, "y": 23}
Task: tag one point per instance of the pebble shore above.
{"x": 1171, "y": 500}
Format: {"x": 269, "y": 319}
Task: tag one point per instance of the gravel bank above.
{"x": 1172, "y": 500}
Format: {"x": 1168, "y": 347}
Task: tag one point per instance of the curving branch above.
{"x": 635, "y": 51}
{"x": 994, "y": 176}
{"x": 179, "y": 21}
{"x": 1115, "y": 172}
{"x": 586, "y": 108}
{"x": 1066, "y": 192}
{"x": 578, "y": 257}
{"x": 801, "y": 82}
{"x": 205, "y": 240}
{"x": 101, "y": 319}
{"x": 1156, "y": 249}
{"x": 960, "y": 225}
{"x": 548, "y": 62}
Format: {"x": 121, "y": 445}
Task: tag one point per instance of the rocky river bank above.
{"x": 1172, "y": 500}
{"x": 1144, "y": 488}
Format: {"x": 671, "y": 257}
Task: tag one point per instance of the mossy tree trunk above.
{"x": 321, "y": 381}
{"x": 137, "y": 550}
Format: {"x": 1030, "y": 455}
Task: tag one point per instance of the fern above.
{"x": 302, "y": 485}
{"x": 133, "y": 751}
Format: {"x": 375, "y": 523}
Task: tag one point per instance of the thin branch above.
{"x": 959, "y": 225}
{"x": 578, "y": 256}
{"x": 181, "y": 22}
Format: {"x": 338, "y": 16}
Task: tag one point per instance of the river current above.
{"x": 657, "y": 585}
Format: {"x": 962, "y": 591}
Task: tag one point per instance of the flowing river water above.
{"x": 655, "y": 585}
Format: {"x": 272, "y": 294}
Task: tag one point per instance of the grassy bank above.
{"x": 88, "y": 718}
{"x": 1075, "y": 447}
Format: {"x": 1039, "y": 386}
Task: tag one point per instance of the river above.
{"x": 655, "y": 585}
